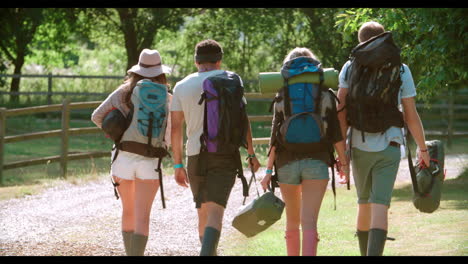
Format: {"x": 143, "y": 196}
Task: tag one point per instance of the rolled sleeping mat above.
{"x": 271, "y": 82}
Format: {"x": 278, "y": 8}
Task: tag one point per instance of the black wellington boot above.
{"x": 376, "y": 244}
{"x": 127, "y": 239}
{"x": 363, "y": 237}
{"x": 138, "y": 244}
{"x": 210, "y": 241}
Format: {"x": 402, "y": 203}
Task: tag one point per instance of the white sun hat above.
{"x": 149, "y": 64}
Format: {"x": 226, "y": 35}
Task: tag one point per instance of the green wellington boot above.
{"x": 127, "y": 239}
{"x": 210, "y": 242}
{"x": 376, "y": 244}
{"x": 138, "y": 244}
{"x": 363, "y": 237}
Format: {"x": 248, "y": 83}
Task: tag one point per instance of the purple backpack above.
{"x": 225, "y": 121}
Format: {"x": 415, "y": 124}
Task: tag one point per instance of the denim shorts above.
{"x": 306, "y": 169}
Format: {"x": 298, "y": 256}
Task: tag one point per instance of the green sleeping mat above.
{"x": 271, "y": 82}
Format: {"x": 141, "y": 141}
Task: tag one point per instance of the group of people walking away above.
{"x": 362, "y": 125}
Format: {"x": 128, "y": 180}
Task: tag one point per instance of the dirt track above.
{"x": 84, "y": 220}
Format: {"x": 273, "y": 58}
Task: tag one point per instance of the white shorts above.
{"x": 128, "y": 165}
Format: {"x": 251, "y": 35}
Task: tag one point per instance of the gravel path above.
{"x": 84, "y": 220}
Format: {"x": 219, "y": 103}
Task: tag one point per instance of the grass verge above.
{"x": 442, "y": 233}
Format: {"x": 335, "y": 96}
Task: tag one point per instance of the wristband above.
{"x": 423, "y": 150}
{"x": 269, "y": 171}
{"x": 178, "y": 166}
{"x": 251, "y": 156}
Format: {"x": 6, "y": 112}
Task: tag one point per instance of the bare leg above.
{"x": 292, "y": 200}
{"x": 312, "y": 196}
{"x": 127, "y": 192}
{"x": 145, "y": 191}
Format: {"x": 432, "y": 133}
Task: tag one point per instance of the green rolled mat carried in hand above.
{"x": 271, "y": 82}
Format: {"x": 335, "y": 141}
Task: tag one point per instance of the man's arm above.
{"x": 415, "y": 126}
{"x": 342, "y": 92}
{"x": 180, "y": 174}
{"x": 250, "y": 148}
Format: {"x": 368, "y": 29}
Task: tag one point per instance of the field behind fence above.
{"x": 444, "y": 119}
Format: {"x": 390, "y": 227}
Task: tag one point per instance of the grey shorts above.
{"x": 306, "y": 169}
{"x": 374, "y": 174}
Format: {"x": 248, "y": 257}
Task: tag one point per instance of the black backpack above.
{"x": 374, "y": 83}
{"x": 225, "y": 121}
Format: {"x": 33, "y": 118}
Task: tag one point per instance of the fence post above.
{"x": 450, "y": 118}
{"x": 49, "y": 89}
{"x": 49, "y": 94}
{"x": 65, "y": 131}
{"x": 2, "y": 140}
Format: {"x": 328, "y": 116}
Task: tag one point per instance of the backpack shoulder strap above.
{"x": 410, "y": 162}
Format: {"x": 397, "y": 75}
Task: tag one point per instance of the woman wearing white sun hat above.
{"x": 134, "y": 175}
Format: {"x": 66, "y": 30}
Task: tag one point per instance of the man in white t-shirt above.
{"x": 211, "y": 191}
{"x": 376, "y": 157}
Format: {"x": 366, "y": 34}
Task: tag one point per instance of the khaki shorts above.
{"x": 128, "y": 165}
{"x": 374, "y": 174}
{"x": 216, "y": 186}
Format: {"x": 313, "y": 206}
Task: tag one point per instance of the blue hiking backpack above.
{"x": 305, "y": 107}
{"x": 145, "y": 125}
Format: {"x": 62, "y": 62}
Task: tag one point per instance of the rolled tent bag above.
{"x": 271, "y": 82}
{"x": 430, "y": 180}
{"x": 259, "y": 214}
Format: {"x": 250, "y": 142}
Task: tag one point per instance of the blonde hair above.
{"x": 299, "y": 52}
{"x": 369, "y": 29}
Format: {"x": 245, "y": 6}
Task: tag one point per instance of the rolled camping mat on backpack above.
{"x": 271, "y": 82}
{"x": 430, "y": 180}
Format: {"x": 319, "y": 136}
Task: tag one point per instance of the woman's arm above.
{"x": 267, "y": 178}
{"x": 105, "y": 107}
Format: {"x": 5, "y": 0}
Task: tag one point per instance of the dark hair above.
{"x": 208, "y": 51}
{"x": 132, "y": 80}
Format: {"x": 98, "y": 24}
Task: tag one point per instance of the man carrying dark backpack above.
{"x": 211, "y": 102}
{"x": 372, "y": 85}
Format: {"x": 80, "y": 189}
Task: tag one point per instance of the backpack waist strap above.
{"x": 142, "y": 149}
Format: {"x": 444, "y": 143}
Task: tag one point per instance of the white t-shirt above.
{"x": 185, "y": 98}
{"x": 375, "y": 142}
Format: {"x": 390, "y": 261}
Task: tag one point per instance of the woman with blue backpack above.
{"x": 136, "y": 116}
{"x": 305, "y": 133}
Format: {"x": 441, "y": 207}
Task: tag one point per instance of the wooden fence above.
{"x": 65, "y": 132}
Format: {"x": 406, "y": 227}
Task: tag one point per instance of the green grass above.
{"x": 442, "y": 233}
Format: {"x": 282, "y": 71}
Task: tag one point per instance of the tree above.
{"x": 138, "y": 26}
{"x": 18, "y": 28}
{"x": 432, "y": 41}
{"x": 25, "y": 30}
